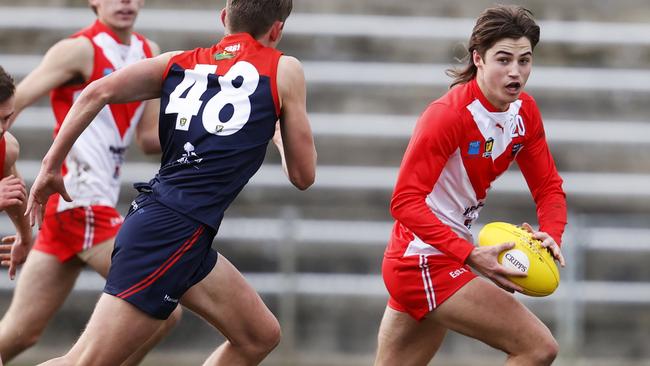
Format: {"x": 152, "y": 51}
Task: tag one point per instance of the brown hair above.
{"x": 256, "y": 16}
{"x": 7, "y": 87}
{"x": 493, "y": 25}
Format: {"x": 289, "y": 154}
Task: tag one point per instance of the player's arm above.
{"x": 15, "y": 254}
{"x": 295, "y": 142}
{"x": 139, "y": 81}
{"x": 69, "y": 60}
{"x": 545, "y": 184}
{"x": 146, "y": 133}
{"x": 434, "y": 140}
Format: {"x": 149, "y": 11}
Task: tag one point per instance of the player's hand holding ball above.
{"x": 530, "y": 253}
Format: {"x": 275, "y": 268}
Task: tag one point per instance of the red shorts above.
{"x": 65, "y": 234}
{"x": 418, "y": 284}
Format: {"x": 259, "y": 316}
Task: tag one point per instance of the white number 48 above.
{"x": 186, "y": 103}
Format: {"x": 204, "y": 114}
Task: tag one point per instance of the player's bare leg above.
{"x": 116, "y": 328}
{"x": 404, "y": 341}
{"x": 230, "y": 304}
{"x": 99, "y": 258}
{"x": 43, "y": 285}
{"x": 115, "y": 331}
{"x": 485, "y": 312}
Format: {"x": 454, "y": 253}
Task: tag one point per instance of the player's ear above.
{"x": 276, "y": 31}
{"x": 223, "y": 16}
{"x": 476, "y": 58}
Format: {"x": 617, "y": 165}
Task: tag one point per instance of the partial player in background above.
{"x": 13, "y": 249}
{"x": 81, "y": 232}
{"x": 13, "y": 195}
{"x": 219, "y": 110}
{"x": 461, "y": 144}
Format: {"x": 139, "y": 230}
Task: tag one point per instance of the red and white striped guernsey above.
{"x": 91, "y": 170}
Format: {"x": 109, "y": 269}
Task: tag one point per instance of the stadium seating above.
{"x": 371, "y": 67}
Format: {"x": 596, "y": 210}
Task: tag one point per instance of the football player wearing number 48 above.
{"x": 461, "y": 144}
{"x": 219, "y": 109}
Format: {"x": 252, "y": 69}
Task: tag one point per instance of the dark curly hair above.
{"x": 7, "y": 87}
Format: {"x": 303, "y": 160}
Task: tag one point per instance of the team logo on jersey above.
{"x": 190, "y": 157}
{"x": 223, "y": 55}
{"x": 107, "y": 71}
{"x": 118, "y": 156}
{"x": 474, "y": 148}
{"x": 489, "y": 145}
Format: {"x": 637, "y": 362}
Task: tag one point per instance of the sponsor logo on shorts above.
{"x": 170, "y": 299}
{"x": 458, "y": 272}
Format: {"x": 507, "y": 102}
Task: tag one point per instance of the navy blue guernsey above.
{"x": 218, "y": 112}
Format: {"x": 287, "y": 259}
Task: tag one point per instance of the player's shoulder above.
{"x": 153, "y": 46}
{"x": 453, "y": 103}
{"x": 74, "y": 44}
{"x": 290, "y": 66}
{"x": 529, "y": 106}
{"x": 527, "y": 100}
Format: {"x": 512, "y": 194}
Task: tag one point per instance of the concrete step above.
{"x": 402, "y": 88}
{"x": 625, "y": 10}
{"x": 364, "y": 192}
{"x": 380, "y": 140}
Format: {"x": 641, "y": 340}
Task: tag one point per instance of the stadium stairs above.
{"x": 371, "y": 67}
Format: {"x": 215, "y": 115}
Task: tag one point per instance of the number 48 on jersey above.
{"x": 236, "y": 87}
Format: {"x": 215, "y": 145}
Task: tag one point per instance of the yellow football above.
{"x": 527, "y": 256}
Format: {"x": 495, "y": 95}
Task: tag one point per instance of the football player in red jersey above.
{"x": 13, "y": 249}
{"x": 461, "y": 144}
{"x": 13, "y": 195}
{"x": 82, "y": 232}
{"x": 219, "y": 109}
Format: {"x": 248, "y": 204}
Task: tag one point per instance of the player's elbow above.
{"x": 398, "y": 207}
{"x": 303, "y": 180}
{"x": 98, "y": 92}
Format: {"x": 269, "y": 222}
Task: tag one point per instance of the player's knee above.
{"x": 264, "y": 339}
{"x": 546, "y": 351}
{"x": 270, "y": 336}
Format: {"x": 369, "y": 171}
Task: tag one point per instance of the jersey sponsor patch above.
{"x": 489, "y": 145}
{"x": 474, "y": 148}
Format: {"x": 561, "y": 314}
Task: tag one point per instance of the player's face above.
{"x": 119, "y": 14}
{"x": 503, "y": 72}
{"x": 6, "y": 112}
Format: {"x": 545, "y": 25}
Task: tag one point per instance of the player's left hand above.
{"x": 547, "y": 242}
{"x": 13, "y": 252}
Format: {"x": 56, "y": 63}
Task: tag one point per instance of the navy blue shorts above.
{"x": 159, "y": 254}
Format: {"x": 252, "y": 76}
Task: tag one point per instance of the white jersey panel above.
{"x": 452, "y": 195}
{"x": 116, "y": 53}
{"x": 500, "y": 126}
{"x": 95, "y": 162}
